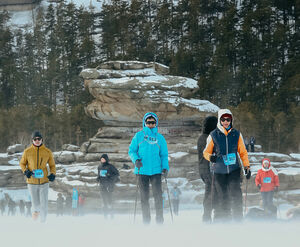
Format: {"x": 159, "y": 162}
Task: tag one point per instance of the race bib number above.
{"x": 103, "y": 173}
{"x": 38, "y": 173}
{"x": 229, "y": 159}
{"x": 267, "y": 180}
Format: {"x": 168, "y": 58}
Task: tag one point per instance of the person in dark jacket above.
{"x": 252, "y": 143}
{"x": 108, "y": 175}
{"x": 209, "y": 124}
{"x": 224, "y": 147}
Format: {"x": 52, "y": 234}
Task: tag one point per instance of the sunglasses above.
{"x": 150, "y": 122}
{"x": 225, "y": 119}
{"x": 37, "y": 139}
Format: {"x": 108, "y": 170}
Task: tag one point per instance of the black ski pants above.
{"x": 229, "y": 203}
{"x": 106, "y": 194}
{"x": 144, "y": 182}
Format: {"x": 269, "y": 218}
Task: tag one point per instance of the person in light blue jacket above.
{"x": 149, "y": 152}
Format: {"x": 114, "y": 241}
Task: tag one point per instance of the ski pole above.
{"x": 169, "y": 199}
{"x": 277, "y": 203}
{"x": 245, "y": 209}
{"x": 136, "y": 193}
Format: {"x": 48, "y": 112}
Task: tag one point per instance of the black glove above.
{"x": 164, "y": 173}
{"x": 213, "y": 158}
{"x": 51, "y": 177}
{"x": 248, "y": 173}
{"x": 28, "y": 173}
{"x": 276, "y": 189}
{"x": 138, "y": 164}
{"x": 259, "y": 186}
{"x": 98, "y": 179}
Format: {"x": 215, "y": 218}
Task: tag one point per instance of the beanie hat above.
{"x": 105, "y": 156}
{"x": 36, "y": 134}
{"x": 209, "y": 124}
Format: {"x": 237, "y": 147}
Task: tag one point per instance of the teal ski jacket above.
{"x": 151, "y": 148}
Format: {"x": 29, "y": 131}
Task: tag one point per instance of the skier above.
{"x": 175, "y": 192}
{"x": 209, "y": 124}
{"x": 59, "y": 205}
{"x": 108, "y": 175}
{"x": 267, "y": 182}
{"x": 81, "y": 201}
{"x": 11, "y": 207}
{"x": 34, "y": 166}
{"x": 252, "y": 143}
{"x": 149, "y": 153}
{"x": 75, "y": 202}
{"x": 22, "y": 207}
{"x": 227, "y": 143}
{"x": 2, "y": 206}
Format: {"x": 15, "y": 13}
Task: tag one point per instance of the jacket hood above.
{"x": 105, "y": 156}
{"x": 147, "y": 130}
{"x": 150, "y": 114}
{"x": 209, "y": 124}
{"x": 221, "y": 112}
{"x": 262, "y": 164}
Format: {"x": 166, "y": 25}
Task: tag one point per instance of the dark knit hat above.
{"x": 209, "y": 124}
{"x": 105, "y": 156}
{"x": 36, "y": 134}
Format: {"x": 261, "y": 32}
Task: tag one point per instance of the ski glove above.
{"x": 164, "y": 172}
{"x": 276, "y": 189}
{"x": 51, "y": 177}
{"x": 247, "y": 172}
{"x": 138, "y": 164}
{"x": 259, "y": 186}
{"x": 213, "y": 158}
{"x": 28, "y": 173}
{"x": 98, "y": 179}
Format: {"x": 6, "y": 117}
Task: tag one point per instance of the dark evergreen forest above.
{"x": 245, "y": 55}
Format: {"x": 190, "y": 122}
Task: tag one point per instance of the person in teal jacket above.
{"x": 149, "y": 152}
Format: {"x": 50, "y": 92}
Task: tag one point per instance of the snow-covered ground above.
{"x": 187, "y": 230}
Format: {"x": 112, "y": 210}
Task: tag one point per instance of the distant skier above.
{"x": 267, "y": 182}
{"x": 75, "y": 202}
{"x": 34, "y": 166}
{"x": 209, "y": 124}
{"x": 59, "y": 205}
{"x": 227, "y": 143}
{"x": 108, "y": 175}
{"x": 252, "y": 143}
{"x": 22, "y": 207}
{"x": 11, "y": 207}
{"x": 149, "y": 153}
{"x": 175, "y": 194}
{"x": 2, "y": 206}
{"x": 246, "y": 141}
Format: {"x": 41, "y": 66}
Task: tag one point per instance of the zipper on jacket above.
{"x": 37, "y": 162}
{"x": 227, "y": 152}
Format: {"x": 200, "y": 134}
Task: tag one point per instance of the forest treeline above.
{"x": 243, "y": 53}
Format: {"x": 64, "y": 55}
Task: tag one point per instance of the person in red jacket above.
{"x": 267, "y": 182}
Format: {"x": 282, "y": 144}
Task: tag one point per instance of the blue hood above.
{"x": 145, "y": 128}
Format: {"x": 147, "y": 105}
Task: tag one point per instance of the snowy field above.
{"x": 187, "y": 230}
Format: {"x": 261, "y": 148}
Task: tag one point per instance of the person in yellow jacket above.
{"x": 224, "y": 145}
{"x": 34, "y": 166}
